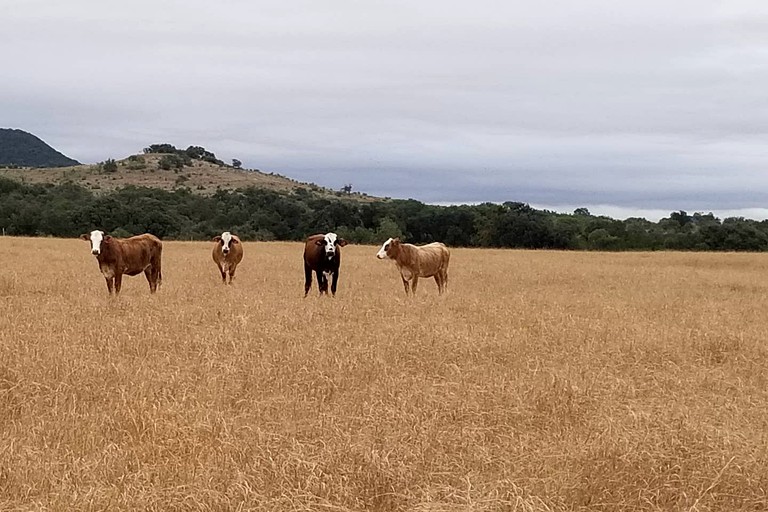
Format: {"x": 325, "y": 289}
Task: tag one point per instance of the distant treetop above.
{"x": 193, "y": 152}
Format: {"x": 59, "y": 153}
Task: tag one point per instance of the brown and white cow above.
{"x": 129, "y": 256}
{"x": 413, "y": 262}
{"x": 227, "y": 254}
{"x": 322, "y": 254}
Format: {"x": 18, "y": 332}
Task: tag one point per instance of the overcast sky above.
{"x": 625, "y": 107}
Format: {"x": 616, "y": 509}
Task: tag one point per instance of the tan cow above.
{"x": 227, "y": 254}
{"x": 129, "y": 256}
{"x": 413, "y": 262}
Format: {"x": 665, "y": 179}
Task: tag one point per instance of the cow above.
{"x": 322, "y": 254}
{"x": 227, "y": 254}
{"x": 413, "y": 262}
{"x": 129, "y": 256}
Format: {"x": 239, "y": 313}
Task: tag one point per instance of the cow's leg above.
{"x": 118, "y": 282}
{"x": 157, "y": 270}
{"x": 333, "y": 282}
{"x": 439, "y": 281}
{"x": 414, "y": 284}
{"x": 322, "y": 282}
{"x": 232, "y": 273}
{"x": 444, "y": 279}
{"x": 223, "y": 274}
{"x": 110, "y": 284}
{"x": 307, "y": 279}
{"x": 151, "y": 274}
{"x": 406, "y": 285}
{"x": 157, "y": 276}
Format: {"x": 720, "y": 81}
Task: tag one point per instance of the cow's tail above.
{"x": 159, "y": 265}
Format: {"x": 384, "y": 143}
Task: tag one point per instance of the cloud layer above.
{"x": 636, "y": 105}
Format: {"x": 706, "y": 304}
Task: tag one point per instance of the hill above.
{"x": 146, "y": 170}
{"x": 19, "y": 148}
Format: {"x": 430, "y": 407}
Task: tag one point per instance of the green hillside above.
{"x": 19, "y": 148}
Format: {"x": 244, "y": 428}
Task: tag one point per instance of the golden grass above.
{"x": 543, "y": 381}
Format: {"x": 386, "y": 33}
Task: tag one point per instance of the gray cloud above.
{"x": 631, "y": 105}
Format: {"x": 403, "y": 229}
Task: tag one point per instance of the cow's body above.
{"x": 127, "y": 256}
{"x": 413, "y": 262}
{"x": 322, "y": 254}
{"x": 227, "y": 254}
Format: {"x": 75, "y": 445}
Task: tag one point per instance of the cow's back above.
{"x": 433, "y": 258}
{"x": 313, "y": 253}
{"x": 139, "y": 252}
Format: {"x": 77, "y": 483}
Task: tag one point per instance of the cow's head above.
{"x": 329, "y": 243}
{"x": 388, "y": 249}
{"x": 97, "y": 238}
{"x": 226, "y": 241}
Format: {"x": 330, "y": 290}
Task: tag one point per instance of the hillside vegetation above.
{"x": 543, "y": 381}
{"x": 257, "y": 213}
{"x": 191, "y": 194}
{"x": 19, "y": 148}
{"x": 147, "y": 170}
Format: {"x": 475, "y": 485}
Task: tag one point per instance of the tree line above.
{"x": 67, "y": 210}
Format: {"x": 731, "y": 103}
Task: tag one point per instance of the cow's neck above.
{"x": 406, "y": 254}
{"x": 107, "y": 253}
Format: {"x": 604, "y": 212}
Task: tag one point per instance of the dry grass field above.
{"x": 544, "y": 381}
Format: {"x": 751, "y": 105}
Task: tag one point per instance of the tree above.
{"x": 168, "y": 162}
{"x": 109, "y": 165}
{"x": 161, "y": 148}
{"x": 388, "y": 228}
{"x": 237, "y": 164}
{"x": 681, "y": 217}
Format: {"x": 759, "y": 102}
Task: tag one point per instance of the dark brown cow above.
{"x": 227, "y": 253}
{"x": 413, "y": 262}
{"x": 129, "y": 256}
{"x": 322, "y": 254}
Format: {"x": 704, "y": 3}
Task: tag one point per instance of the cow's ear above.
{"x": 341, "y": 242}
{"x": 217, "y": 238}
{"x": 320, "y": 242}
{"x": 107, "y": 238}
{"x": 396, "y": 241}
{"x": 85, "y": 236}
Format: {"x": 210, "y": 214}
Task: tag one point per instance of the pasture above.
{"x": 543, "y": 381}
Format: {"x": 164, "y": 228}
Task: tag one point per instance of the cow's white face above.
{"x": 382, "y": 254}
{"x": 226, "y": 240}
{"x": 330, "y": 245}
{"x": 96, "y": 238}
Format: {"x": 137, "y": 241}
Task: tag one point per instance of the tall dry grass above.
{"x": 543, "y": 381}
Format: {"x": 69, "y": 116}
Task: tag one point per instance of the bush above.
{"x": 108, "y": 165}
{"x": 168, "y": 162}
{"x": 120, "y": 233}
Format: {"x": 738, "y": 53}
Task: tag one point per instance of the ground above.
{"x": 542, "y": 381}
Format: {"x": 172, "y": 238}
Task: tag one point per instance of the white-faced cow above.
{"x": 413, "y": 262}
{"x": 322, "y": 254}
{"x": 227, "y": 254}
{"x": 129, "y": 256}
